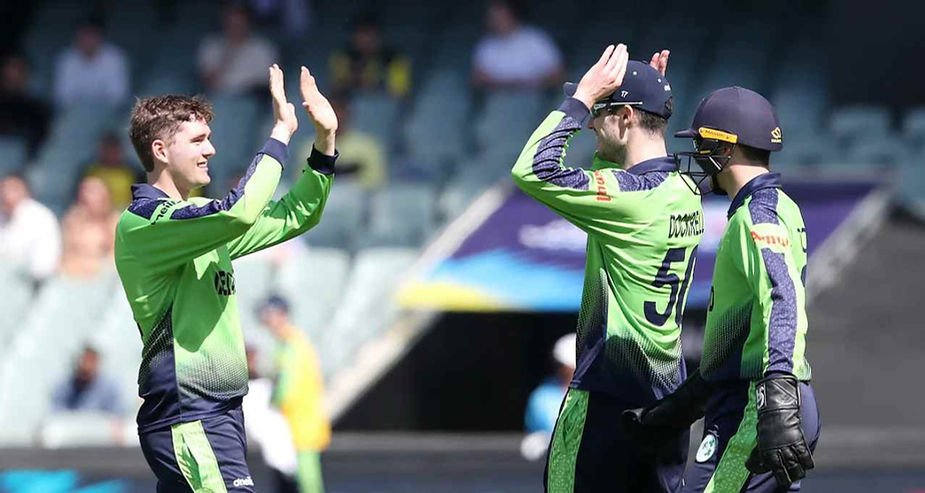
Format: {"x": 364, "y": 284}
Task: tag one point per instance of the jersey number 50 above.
{"x": 665, "y": 277}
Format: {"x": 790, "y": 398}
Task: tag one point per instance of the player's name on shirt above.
{"x": 686, "y": 224}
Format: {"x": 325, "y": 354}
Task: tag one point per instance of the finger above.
{"x": 775, "y": 462}
{"x": 605, "y": 56}
{"x": 309, "y": 87}
{"x": 653, "y": 62}
{"x": 804, "y": 456}
{"x": 622, "y": 59}
{"x": 614, "y": 57}
{"x": 793, "y": 467}
{"x": 663, "y": 61}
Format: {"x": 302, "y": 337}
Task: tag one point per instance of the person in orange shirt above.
{"x": 298, "y": 393}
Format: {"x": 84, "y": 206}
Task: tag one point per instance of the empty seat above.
{"x": 401, "y": 215}
{"x": 343, "y": 218}
{"x": 84, "y": 429}
{"x": 16, "y": 293}
{"x": 314, "y": 283}
{"x": 862, "y": 122}
{"x": 368, "y": 304}
{"x": 376, "y": 114}
{"x": 913, "y": 130}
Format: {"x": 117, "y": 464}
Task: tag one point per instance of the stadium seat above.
{"x": 12, "y": 154}
{"x": 884, "y": 152}
{"x": 16, "y": 293}
{"x": 119, "y": 342}
{"x": 253, "y": 276}
{"x": 436, "y": 131}
{"x": 367, "y": 306}
{"x": 506, "y": 120}
{"x": 376, "y": 114}
{"x": 460, "y": 192}
{"x": 853, "y": 123}
{"x": 913, "y": 130}
{"x": 235, "y": 139}
{"x": 343, "y": 217}
{"x": 400, "y": 215}
{"x": 314, "y": 283}
{"x": 85, "y": 429}
{"x": 41, "y": 354}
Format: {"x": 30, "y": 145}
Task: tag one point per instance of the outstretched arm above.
{"x": 301, "y": 208}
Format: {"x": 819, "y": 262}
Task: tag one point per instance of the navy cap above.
{"x": 642, "y": 87}
{"x": 737, "y": 115}
{"x": 275, "y": 301}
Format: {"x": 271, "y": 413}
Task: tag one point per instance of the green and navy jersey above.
{"x": 756, "y": 321}
{"x": 643, "y": 227}
{"x": 174, "y": 260}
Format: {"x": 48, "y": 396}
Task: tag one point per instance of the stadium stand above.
{"x": 448, "y": 143}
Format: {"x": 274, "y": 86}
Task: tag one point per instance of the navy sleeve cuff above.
{"x": 575, "y": 109}
{"x": 276, "y": 150}
{"x": 321, "y": 162}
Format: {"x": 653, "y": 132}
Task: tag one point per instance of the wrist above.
{"x": 585, "y": 98}
{"x": 281, "y": 133}
{"x": 325, "y": 141}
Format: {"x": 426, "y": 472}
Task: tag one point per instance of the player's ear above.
{"x": 159, "y": 151}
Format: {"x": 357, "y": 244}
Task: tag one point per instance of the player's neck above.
{"x": 165, "y": 183}
{"x": 736, "y": 176}
{"x": 646, "y": 148}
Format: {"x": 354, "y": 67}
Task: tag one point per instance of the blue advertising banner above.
{"x": 523, "y": 257}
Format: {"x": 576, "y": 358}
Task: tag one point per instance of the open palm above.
{"x": 316, "y": 105}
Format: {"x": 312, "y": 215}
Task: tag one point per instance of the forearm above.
{"x": 325, "y": 141}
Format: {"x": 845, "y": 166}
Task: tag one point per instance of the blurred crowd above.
{"x": 510, "y": 56}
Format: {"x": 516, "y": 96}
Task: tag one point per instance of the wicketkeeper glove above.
{"x": 781, "y": 448}
{"x": 655, "y": 425}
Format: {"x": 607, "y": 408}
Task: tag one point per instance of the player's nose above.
{"x": 208, "y": 150}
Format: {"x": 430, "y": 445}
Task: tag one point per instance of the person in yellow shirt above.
{"x": 110, "y": 167}
{"x": 298, "y": 393}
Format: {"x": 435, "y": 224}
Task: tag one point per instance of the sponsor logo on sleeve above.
{"x": 601, "y": 187}
{"x": 770, "y": 239}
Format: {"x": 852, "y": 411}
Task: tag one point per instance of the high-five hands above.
{"x": 285, "y": 121}
{"x": 604, "y": 77}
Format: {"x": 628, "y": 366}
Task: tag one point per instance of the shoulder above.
{"x": 630, "y": 182}
{"x": 762, "y": 206}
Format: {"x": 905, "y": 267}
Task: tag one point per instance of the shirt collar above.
{"x": 765, "y": 180}
{"x": 147, "y": 191}
{"x": 664, "y": 164}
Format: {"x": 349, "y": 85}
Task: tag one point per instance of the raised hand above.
{"x": 285, "y": 121}
{"x": 316, "y": 105}
{"x": 604, "y": 77}
{"x": 659, "y": 61}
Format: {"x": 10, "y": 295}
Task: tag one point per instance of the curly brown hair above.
{"x": 159, "y": 117}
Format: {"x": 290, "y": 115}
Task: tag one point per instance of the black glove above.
{"x": 654, "y": 426}
{"x": 781, "y": 448}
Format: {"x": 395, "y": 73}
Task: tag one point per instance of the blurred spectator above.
{"x": 235, "y": 62}
{"x": 545, "y": 401}
{"x": 294, "y": 16}
{"x": 368, "y": 66}
{"x": 21, "y": 114}
{"x": 110, "y": 167}
{"x": 266, "y": 426}
{"x": 514, "y": 55}
{"x": 89, "y": 229}
{"x": 29, "y": 234}
{"x": 86, "y": 389}
{"x": 92, "y": 70}
{"x": 362, "y": 157}
{"x": 298, "y": 393}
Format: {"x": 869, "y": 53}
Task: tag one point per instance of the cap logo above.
{"x": 712, "y": 133}
{"x": 776, "y": 136}
{"x": 623, "y": 93}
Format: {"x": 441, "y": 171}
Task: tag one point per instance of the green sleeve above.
{"x": 591, "y": 200}
{"x": 769, "y": 266}
{"x": 165, "y": 234}
{"x": 297, "y": 212}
